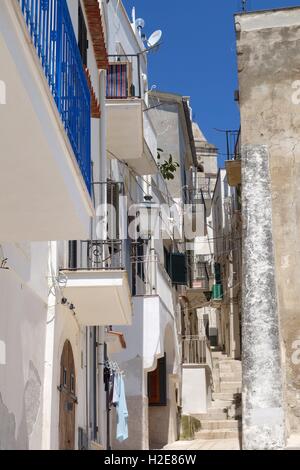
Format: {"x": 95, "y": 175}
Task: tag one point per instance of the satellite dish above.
{"x": 154, "y": 38}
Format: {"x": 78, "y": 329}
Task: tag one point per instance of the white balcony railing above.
{"x": 150, "y": 278}
{"x": 196, "y": 350}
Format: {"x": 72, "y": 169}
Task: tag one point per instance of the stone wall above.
{"x": 268, "y": 48}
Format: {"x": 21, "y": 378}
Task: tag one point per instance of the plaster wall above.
{"x": 268, "y": 57}
{"x": 23, "y": 314}
{"x": 196, "y": 393}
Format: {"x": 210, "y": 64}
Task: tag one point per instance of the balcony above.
{"x": 196, "y": 375}
{"x": 199, "y": 295}
{"x": 45, "y": 125}
{"x": 196, "y": 350}
{"x": 98, "y": 286}
{"x": 217, "y": 295}
{"x": 131, "y": 136}
{"x": 234, "y": 165}
{"x": 150, "y": 279}
{"x": 234, "y": 172}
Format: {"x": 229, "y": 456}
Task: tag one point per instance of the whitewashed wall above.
{"x": 23, "y": 314}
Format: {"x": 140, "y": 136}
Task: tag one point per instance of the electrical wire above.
{"x": 136, "y": 175}
{"x": 209, "y": 303}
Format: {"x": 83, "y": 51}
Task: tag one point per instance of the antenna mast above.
{"x": 244, "y": 5}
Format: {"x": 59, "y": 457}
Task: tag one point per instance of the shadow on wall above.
{"x": 31, "y": 406}
{"x": 163, "y": 419}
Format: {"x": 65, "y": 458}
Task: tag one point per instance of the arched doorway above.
{"x": 163, "y": 396}
{"x": 67, "y": 404}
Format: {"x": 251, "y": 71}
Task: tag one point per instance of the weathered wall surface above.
{"x": 268, "y": 47}
{"x": 23, "y": 312}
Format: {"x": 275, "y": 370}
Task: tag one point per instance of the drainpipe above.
{"x": 102, "y": 234}
{"x": 87, "y": 382}
{"x": 102, "y": 228}
{"x": 101, "y": 393}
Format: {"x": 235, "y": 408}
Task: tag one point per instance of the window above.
{"x": 119, "y": 81}
{"x": 73, "y": 255}
{"x": 167, "y": 260}
{"x": 138, "y": 266}
{"x": 140, "y": 256}
{"x": 178, "y": 269}
{"x": 72, "y": 383}
{"x": 157, "y": 384}
{"x": 113, "y": 210}
{"x": 65, "y": 378}
{"x": 82, "y": 36}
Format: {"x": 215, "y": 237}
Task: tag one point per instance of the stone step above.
{"x": 217, "y": 434}
{"x": 230, "y": 370}
{"x": 223, "y": 404}
{"x": 219, "y": 424}
{"x": 230, "y": 377}
{"x": 225, "y": 396}
{"x": 220, "y": 358}
{"x": 215, "y": 410}
{"x": 230, "y": 366}
{"x": 212, "y": 414}
{"x": 232, "y": 387}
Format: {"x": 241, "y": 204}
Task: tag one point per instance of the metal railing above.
{"x": 203, "y": 185}
{"x": 52, "y": 34}
{"x": 201, "y": 273}
{"x": 237, "y": 148}
{"x": 196, "y": 350}
{"x": 97, "y": 255}
{"x": 124, "y": 76}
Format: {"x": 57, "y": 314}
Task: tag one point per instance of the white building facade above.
{"x": 87, "y": 287}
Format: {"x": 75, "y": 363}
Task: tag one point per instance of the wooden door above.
{"x": 68, "y": 399}
{"x": 157, "y": 384}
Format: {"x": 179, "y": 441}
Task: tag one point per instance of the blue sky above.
{"x": 197, "y": 57}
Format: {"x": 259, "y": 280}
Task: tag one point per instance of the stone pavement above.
{"x": 223, "y": 444}
{"x": 200, "y": 444}
{"x": 294, "y": 442}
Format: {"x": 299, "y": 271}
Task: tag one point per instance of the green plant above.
{"x": 168, "y": 168}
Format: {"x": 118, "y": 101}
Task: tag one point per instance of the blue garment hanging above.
{"x": 119, "y": 400}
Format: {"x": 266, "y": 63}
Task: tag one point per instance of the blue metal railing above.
{"x": 51, "y": 30}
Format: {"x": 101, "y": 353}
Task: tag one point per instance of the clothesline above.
{"x": 113, "y": 367}
{"x": 115, "y": 389}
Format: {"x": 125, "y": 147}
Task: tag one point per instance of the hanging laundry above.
{"x": 106, "y": 376}
{"x": 119, "y": 400}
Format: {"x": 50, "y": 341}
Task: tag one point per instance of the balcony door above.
{"x": 68, "y": 400}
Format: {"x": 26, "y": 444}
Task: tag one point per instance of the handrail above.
{"x": 50, "y": 27}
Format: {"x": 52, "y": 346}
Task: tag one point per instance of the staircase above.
{"x": 223, "y": 420}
